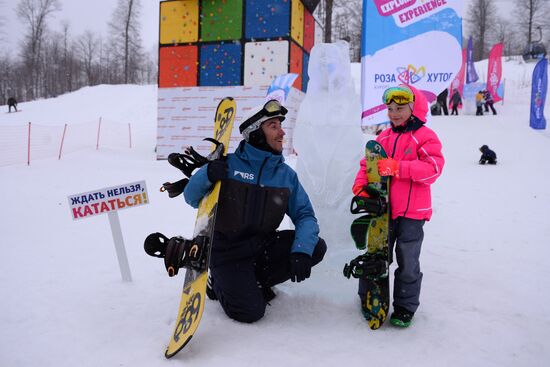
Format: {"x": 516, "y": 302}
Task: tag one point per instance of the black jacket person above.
{"x": 12, "y": 103}
{"x": 249, "y": 255}
{"x": 487, "y": 155}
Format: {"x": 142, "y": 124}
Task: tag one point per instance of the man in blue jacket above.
{"x": 249, "y": 255}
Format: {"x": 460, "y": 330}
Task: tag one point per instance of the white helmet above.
{"x": 257, "y": 116}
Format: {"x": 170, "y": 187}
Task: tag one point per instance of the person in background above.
{"x": 456, "y": 101}
{"x": 12, "y": 103}
{"x": 487, "y": 155}
{"x": 415, "y": 162}
{"x": 489, "y": 102}
{"x": 479, "y": 103}
{"x": 249, "y": 255}
{"x": 442, "y": 100}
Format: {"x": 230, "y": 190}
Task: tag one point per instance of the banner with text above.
{"x": 538, "y": 95}
{"x": 471, "y": 74}
{"x": 458, "y": 82}
{"x": 406, "y": 41}
{"x": 494, "y": 71}
{"x": 108, "y": 200}
{"x": 186, "y": 116}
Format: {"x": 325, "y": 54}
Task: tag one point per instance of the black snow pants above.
{"x": 241, "y": 271}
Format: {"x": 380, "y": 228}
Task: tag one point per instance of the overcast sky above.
{"x": 95, "y": 14}
{"x": 82, "y": 15}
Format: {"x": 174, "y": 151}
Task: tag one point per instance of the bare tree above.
{"x": 531, "y": 14}
{"x": 87, "y": 47}
{"x": 341, "y": 19}
{"x": 348, "y": 25}
{"x": 69, "y": 61}
{"x": 2, "y": 22}
{"x": 505, "y": 33}
{"x": 150, "y": 67}
{"x": 125, "y": 32}
{"x": 530, "y": 20}
{"x": 482, "y": 19}
{"x": 8, "y": 80}
{"x": 34, "y": 13}
{"x": 328, "y": 20}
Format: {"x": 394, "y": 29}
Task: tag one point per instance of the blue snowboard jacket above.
{"x": 250, "y": 165}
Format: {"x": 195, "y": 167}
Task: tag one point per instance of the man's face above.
{"x": 274, "y": 134}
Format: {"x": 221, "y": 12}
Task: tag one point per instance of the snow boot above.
{"x": 401, "y": 317}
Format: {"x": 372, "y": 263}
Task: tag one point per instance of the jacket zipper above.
{"x": 410, "y": 185}
{"x": 395, "y": 144}
{"x": 409, "y": 198}
{"x": 257, "y": 216}
{"x": 261, "y": 169}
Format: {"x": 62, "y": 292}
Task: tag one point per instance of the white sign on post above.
{"x": 109, "y": 200}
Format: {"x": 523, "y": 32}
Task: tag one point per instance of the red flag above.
{"x": 458, "y": 82}
{"x": 494, "y": 71}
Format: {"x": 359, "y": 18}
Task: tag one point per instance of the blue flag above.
{"x": 280, "y": 87}
{"x": 471, "y": 74}
{"x": 538, "y": 95}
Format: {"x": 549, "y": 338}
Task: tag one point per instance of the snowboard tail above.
{"x": 370, "y": 232}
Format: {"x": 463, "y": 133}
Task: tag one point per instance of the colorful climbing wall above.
{"x": 233, "y": 42}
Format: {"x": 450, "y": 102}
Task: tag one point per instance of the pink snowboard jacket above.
{"x": 418, "y": 150}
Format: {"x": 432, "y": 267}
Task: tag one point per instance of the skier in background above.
{"x": 456, "y": 101}
{"x": 12, "y": 103}
{"x": 479, "y": 103}
{"x": 415, "y": 162}
{"x": 442, "y": 100}
{"x": 487, "y": 155}
{"x": 489, "y": 102}
{"x": 249, "y": 255}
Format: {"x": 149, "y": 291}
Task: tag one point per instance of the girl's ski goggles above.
{"x": 399, "y": 95}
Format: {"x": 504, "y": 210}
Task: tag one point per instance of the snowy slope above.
{"x": 485, "y": 295}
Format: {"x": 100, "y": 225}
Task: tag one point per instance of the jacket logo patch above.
{"x": 408, "y": 151}
{"x": 244, "y": 175}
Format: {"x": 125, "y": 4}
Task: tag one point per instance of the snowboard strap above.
{"x": 366, "y": 267}
{"x": 375, "y": 206}
{"x": 178, "y": 252}
{"x": 188, "y": 162}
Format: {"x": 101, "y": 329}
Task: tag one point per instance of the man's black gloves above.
{"x": 216, "y": 170}
{"x": 300, "y": 266}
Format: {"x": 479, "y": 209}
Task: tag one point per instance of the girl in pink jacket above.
{"x": 415, "y": 162}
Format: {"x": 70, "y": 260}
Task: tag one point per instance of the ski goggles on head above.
{"x": 269, "y": 110}
{"x": 399, "y": 95}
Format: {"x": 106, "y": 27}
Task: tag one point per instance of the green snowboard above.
{"x": 370, "y": 231}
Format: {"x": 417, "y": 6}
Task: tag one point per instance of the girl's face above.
{"x": 399, "y": 113}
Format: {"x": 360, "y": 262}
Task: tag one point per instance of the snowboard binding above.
{"x": 188, "y": 162}
{"x": 366, "y": 267}
{"x": 177, "y": 252}
{"x": 373, "y": 205}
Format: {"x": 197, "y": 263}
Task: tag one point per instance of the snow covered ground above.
{"x": 485, "y": 299}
